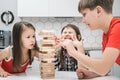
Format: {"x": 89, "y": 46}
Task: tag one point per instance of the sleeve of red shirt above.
{"x": 0, "y": 63}
{"x": 114, "y": 37}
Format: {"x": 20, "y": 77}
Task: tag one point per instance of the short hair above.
{"x": 91, "y": 4}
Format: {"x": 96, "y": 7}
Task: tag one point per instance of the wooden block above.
{"x": 48, "y": 64}
{"x": 51, "y": 70}
{"x": 47, "y": 49}
{"x": 47, "y": 55}
{"x": 47, "y": 67}
{"x": 47, "y": 43}
{"x": 47, "y": 76}
{"x": 47, "y": 33}
{"x": 47, "y": 60}
{"x": 48, "y": 38}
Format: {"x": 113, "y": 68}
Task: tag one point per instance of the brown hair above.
{"x": 91, "y": 4}
{"x": 74, "y": 27}
{"x": 61, "y": 56}
{"x": 16, "y": 50}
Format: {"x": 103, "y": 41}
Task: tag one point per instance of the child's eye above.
{"x": 28, "y": 36}
{"x": 84, "y": 15}
{"x": 65, "y": 32}
{"x": 34, "y": 36}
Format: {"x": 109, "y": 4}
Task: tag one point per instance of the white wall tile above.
{"x": 91, "y": 38}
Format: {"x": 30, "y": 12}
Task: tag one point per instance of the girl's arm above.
{"x": 4, "y": 54}
{"x": 3, "y": 73}
{"x": 37, "y": 54}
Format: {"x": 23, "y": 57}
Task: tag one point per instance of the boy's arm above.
{"x": 83, "y": 72}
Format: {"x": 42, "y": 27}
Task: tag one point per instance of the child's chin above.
{"x": 31, "y": 48}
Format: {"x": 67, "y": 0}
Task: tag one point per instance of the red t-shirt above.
{"x": 7, "y": 65}
{"x": 112, "y": 37}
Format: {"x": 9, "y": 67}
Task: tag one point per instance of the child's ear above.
{"x": 99, "y": 10}
{"x": 79, "y": 37}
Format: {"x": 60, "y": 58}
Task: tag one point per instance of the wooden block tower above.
{"x": 47, "y": 66}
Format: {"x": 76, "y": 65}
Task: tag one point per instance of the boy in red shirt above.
{"x": 97, "y": 14}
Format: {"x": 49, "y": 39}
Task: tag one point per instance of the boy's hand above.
{"x": 86, "y": 74}
{"x": 78, "y": 44}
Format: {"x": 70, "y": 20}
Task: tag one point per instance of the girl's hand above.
{"x": 4, "y": 74}
{"x": 58, "y": 41}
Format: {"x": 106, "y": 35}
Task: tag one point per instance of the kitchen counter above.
{"x": 93, "y": 48}
{"x": 33, "y": 73}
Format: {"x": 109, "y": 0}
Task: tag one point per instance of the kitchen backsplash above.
{"x": 91, "y": 38}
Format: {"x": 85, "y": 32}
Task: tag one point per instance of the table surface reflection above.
{"x": 33, "y": 73}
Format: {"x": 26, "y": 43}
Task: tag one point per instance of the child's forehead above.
{"x": 68, "y": 29}
{"x": 84, "y": 10}
{"x": 27, "y": 28}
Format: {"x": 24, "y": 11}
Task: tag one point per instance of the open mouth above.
{"x": 68, "y": 38}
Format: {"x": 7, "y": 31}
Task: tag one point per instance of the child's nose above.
{"x": 32, "y": 39}
{"x": 83, "y": 20}
{"x": 67, "y": 33}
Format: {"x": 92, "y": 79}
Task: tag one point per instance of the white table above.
{"x": 34, "y": 74}
{"x": 62, "y": 75}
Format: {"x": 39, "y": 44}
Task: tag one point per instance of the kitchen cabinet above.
{"x": 64, "y": 8}
{"x": 32, "y": 8}
{"x": 48, "y": 8}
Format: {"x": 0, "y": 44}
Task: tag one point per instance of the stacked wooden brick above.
{"x": 47, "y": 66}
